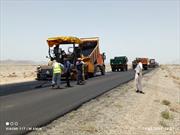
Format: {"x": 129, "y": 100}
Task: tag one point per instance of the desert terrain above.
{"x": 14, "y": 73}
{"x": 122, "y": 111}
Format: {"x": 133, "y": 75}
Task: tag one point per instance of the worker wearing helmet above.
{"x": 138, "y": 77}
{"x": 79, "y": 68}
{"x": 57, "y": 71}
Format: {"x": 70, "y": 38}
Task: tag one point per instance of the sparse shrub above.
{"x": 157, "y": 100}
{"x": 166, "y": 102}
{"x": 163, "y": 124}
{"x": 89, "y": 128}
{"x": 166, "y": 115}
{"x": 12, "y": 75}
{"x": 162, "y": 68}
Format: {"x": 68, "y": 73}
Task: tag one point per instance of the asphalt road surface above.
{"x": 23, "y": 111}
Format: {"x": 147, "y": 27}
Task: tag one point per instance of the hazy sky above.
{"x": 135, "y": 28}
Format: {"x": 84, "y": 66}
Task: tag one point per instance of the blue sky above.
{"x": 135, "y": 28}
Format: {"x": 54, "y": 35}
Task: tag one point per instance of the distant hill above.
{"x": 21, "y": 62}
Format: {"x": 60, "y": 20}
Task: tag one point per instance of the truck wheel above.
{"x": 102, "y": 72}
{"x": 126, "y": 68}
{"x": 86, "y": 76}
{"x": 91, "y": 75}
{"x": 102, "y": 69}
{"x": 145, "y": 68}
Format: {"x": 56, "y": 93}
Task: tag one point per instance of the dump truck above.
{"x": 152, "y": 63}
{"x": 90, "y": 54}
{"x": 85, "y": 48}
{"x": 119, "y": 63}
{"x": 144, "y": 62}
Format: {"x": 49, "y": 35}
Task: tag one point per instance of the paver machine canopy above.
{"x": 58, "y": 53}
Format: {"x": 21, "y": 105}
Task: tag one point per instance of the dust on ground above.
{"x": 122, "y": 111}
{"x": 12, "y": 73}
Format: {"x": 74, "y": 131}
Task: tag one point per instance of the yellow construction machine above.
{"x": 85, "y": 48}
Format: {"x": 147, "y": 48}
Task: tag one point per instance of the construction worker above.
{"x": 79, "y": 67}
{"x": 138, "y": 77}
{"x": 67, "y": 67}
{"x": 57, "y": 71}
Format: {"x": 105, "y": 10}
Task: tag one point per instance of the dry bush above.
{"x": 166, "y": 115}
{"x": 166, "y": 102}
{"x": 12, "y": 75}
{"x": 163, "y": 124}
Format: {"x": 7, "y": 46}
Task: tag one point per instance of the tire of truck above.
{"x": 103, "y": 70}
{"x": 126, "y": 68}
{"x": 38, "y": 77}
{"x": 41, "y": 77}
{"x": 91, "y": 75}
{"x": 86, "y": 76}
{"x": 94, "y": 73}
{"x": 113, "y": 69}
{"x": 145, "y": 68}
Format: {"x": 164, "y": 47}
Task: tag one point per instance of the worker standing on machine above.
{"x": 67, "y": 67}
{"x": 80, "y": 70}
{"x": 57, "y": 71}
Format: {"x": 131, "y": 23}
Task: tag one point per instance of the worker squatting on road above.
{"x": 138, "y": 77}
{"x": 57, "y": 71}
{"x": 80, "y": 71}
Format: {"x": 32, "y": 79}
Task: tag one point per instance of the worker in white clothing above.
{"x": 138, "y": 77}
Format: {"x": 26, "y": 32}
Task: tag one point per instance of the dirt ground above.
{"x": 17, "y": 73}
{"x": 122, "y": 111}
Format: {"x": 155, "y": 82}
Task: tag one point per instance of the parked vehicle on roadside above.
{"x": 119, "y": 63}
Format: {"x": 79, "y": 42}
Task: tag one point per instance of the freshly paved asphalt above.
{"x": 37, "y": 107}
